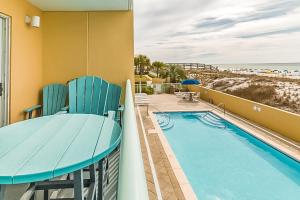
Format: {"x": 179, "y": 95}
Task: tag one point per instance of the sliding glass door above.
{"x": 4, "y": 69}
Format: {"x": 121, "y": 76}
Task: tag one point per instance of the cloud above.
{"x": 291, "y": 30}
{"x": 213, "y": 22}
{"x": 218, "y": 31}
{"x": 272, "y": 9}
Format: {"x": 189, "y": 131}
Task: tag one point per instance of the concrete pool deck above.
{"x": 171, "y": 179}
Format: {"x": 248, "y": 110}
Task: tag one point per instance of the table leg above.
{"x": 100, "y": 180}
{"x": 46, "y": 195}
{"x": 2, "y": 191}
{"x": 78, "y": 185}
{"x": 92, "y": 194}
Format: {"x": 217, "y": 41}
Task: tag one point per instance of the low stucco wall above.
{"x": 143, "y": 78}
{"x": 280, "y": 121}
{"x": 158, "y": 80}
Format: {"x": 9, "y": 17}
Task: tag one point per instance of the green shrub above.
{"x": 166, "y": 88}
{"x": 148, "y": 90}
{"x": 258, "y": 93}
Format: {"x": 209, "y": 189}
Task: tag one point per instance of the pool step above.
{"x": 212, "y": 124}
{"x": 165, "y": 122}
{"x": 213, "y": 116}
{"x": 212, "y": 120}
{"x": 168, "y": 126}
{"x": 162, "y": 119}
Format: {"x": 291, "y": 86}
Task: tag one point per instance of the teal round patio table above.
{"x": 47, "y": 147}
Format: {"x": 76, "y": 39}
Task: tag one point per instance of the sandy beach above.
{"x": 268, "y": 87}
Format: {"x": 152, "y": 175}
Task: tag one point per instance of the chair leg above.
{"x": 30, "y": 115}
{"x": 100, "y": 181}
{"x": 92, "y": 190}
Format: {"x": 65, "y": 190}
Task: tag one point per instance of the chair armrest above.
{"x": 36, "y": 107}
{"x": 66, "y": 108}
{"x": 121, "y": 108}
{"x": 31, "y": 109}
{"x": 119, "y": 114}
{"x": 115, "y": 115}
{"x": 111, "y": 114}
{"x": 61, "y": 112}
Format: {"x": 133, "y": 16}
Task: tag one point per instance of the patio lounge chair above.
{"x": 178, "y": 94}
{"x": 54, "y": 100}
{"x": 142, "y": 99}
{"x": 196, "y": 97}
{"x": 182, "y": 95}
{"x": 93, "y": 95}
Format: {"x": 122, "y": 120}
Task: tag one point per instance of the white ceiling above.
{"x": 82, "y": 5}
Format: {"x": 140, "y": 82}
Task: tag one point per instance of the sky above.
{"x": 218, "y": 31}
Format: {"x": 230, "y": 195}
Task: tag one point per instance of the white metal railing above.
{"x": 159, "y": 87}
{"x": 132, "y": 180}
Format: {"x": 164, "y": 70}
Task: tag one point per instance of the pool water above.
{"x": 228, "y": 163}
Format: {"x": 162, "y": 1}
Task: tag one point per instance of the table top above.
{"x": 47, "y": 147}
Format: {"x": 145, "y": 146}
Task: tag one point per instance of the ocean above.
{"x": 273, "y": 66}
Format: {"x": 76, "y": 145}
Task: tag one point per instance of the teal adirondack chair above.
{"x": 113, "y": 98}
{"x": 54, "y": 100}
{"x": 93, "y": 95}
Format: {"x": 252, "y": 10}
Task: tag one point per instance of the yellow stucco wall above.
{"x": 64, "y": 46}
{"x": 280, "y": 121}
{"x": 88, "y": 43}
{"x": 26, "y": 57}
{"x": 111, "y": 48}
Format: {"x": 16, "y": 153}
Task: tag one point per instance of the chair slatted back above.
{"x": 93, "y": 95}
{"x": 54, "y": 98}
{"x": 113, "y": 97}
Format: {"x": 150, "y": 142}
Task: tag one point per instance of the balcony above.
{"x": 55, "y": 42}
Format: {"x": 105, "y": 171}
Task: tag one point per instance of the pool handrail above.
{"x": 132, "y": 180}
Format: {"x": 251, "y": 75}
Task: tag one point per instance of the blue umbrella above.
{"x": 190, "y": 82}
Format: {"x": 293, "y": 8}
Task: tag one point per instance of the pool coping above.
{"x": 252, "y": 129}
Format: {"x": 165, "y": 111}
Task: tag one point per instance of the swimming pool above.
{"x": 223, "y": 162}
